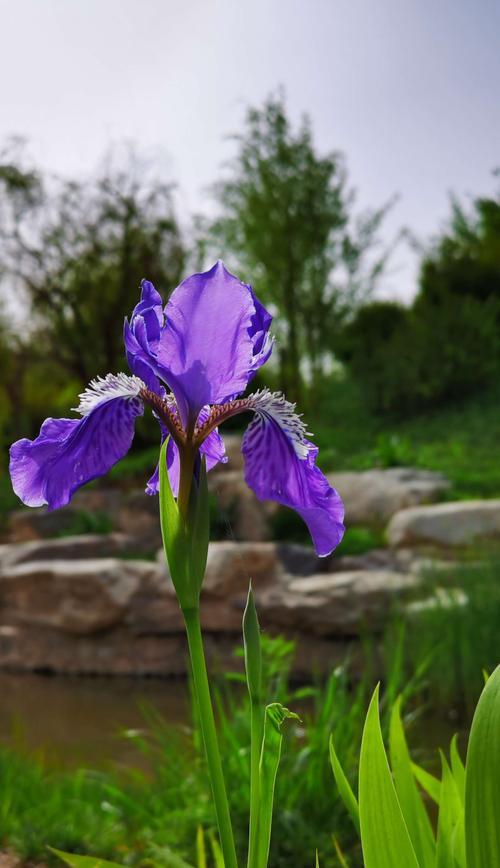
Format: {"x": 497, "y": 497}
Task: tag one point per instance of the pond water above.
{"x": 77, "y": 722}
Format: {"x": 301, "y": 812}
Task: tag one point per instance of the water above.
{"x": 76, "y": 722}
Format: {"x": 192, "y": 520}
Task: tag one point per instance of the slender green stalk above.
{"x": 202, "y": 689}
{"x": 256, "y": 732}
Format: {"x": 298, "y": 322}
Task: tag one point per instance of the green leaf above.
{"x": 75, "y": 860}
{"x": 457, "y": 768}
{"x": 185, "y": 543}
{"x": 430, "y": 784}
{"x": 344, "y": 787}
{"x": 253, "y": 651}
{"x": 384, "y": 835}
{"x": 216, "y": 852}
{"x": 448, "y": 844}
{"x": 201, "y": 856}
{"x": 482, "y": 780}
{"x": 412, "y": 806}
{"x": 275, "y": 716}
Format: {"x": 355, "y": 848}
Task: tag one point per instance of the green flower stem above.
{"x": 202, "y": 689}
{"x": 256, "y": 733}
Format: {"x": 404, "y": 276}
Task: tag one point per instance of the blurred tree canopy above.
{"x": 77, "y": 251}
{"x": 447, "y": 344}
{"x": 286, "y": 222}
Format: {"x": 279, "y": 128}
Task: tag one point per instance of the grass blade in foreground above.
{"x": 253, "y": 668}
{"x": 384, "y": 835}
{"x": 276, "y": 715}
{"x": 449, "y": 849}
{"x": 412, "y": 806}
{"x": 344, "y": 787}
{"x": 482, "y": 777}
{"x": 74, "y": 860}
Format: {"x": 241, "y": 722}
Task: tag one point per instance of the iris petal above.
{"x": 206, "y": 352}
{"x": 142, "y": 334}
{"x": 280, "y": 465}
{"x": 68, "y": 453}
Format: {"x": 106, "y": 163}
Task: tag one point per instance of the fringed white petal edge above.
{"x": 107, "y": 388}
{"x": 274, "y": 406}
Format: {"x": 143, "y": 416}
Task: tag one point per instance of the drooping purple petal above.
{"x": 206, "y": 352}
{"x": 212, "y": 448}
{"x": 71, "y": 452}
{"x": 280, "y": 465}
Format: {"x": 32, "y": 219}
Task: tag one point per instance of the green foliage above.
{"x": 482, "y": 793}
{"x": 446, "y": 345}
{"x": 384, "y": 833}
{"x": 458, "y": 631}
{"x": 286, "y": 220}
{"x": 82, "y": 521}
{"x": 394, "y": 826}
{"x": 129, "y": 816}
{"x": 80, "y": 249}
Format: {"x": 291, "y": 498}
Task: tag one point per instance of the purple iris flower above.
{"x": 190, "y": 360}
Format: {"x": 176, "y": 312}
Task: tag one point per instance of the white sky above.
{"x": 408, "y": 89}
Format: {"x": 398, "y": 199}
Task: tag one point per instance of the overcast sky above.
{"x": 408, "y": 89}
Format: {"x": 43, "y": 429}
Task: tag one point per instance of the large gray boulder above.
{"x": 371, "y": 497}
{"x": 446, "y": 525}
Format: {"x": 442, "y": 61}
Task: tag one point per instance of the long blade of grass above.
{"x": 450, "y": 815}
{"x": 384, "y": 835}
{"x": 430, "y": 784}
{"x": 276, "y": 715}
{"x": 201, "y": 855}
{"x": 216, "y": 852}
{"x": 346, "y": 794}
{"x": 75, "y": 860}
{"x": 482, "y": 776}
{"x": 412, "y": 806}
{"x": 457, "y": 768}
{"x": 253, "y": 669}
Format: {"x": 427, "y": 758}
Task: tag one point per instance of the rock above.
{"x": 446, "y": 525}
{"x": 81, "y": 597}
{"x": 34, "y": 524}
{"x": 373, "y": 496}
{"x": 298, "y": 560}
{"x": 67, "y": 548}
{"x": 138, "y": 516}
{"x": 338, "y": 604}
{"x": 235, "y": 461}
{"x": 246, "y": 517}
{"x": 231, "y": 565}
{"x": 114, "y": 652}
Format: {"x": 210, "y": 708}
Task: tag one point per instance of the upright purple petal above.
{"x": 142, "y": 334}
{"x": 206, "y": 352}
{"x": 70, "y": 452}
{"x": 280, "y": 465}
{"x": 262, "y": 341}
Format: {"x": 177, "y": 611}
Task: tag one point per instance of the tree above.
{"x": 285, "y": 220}
{"x": 78, "y": 251}
{"x": 447, "y": 344}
